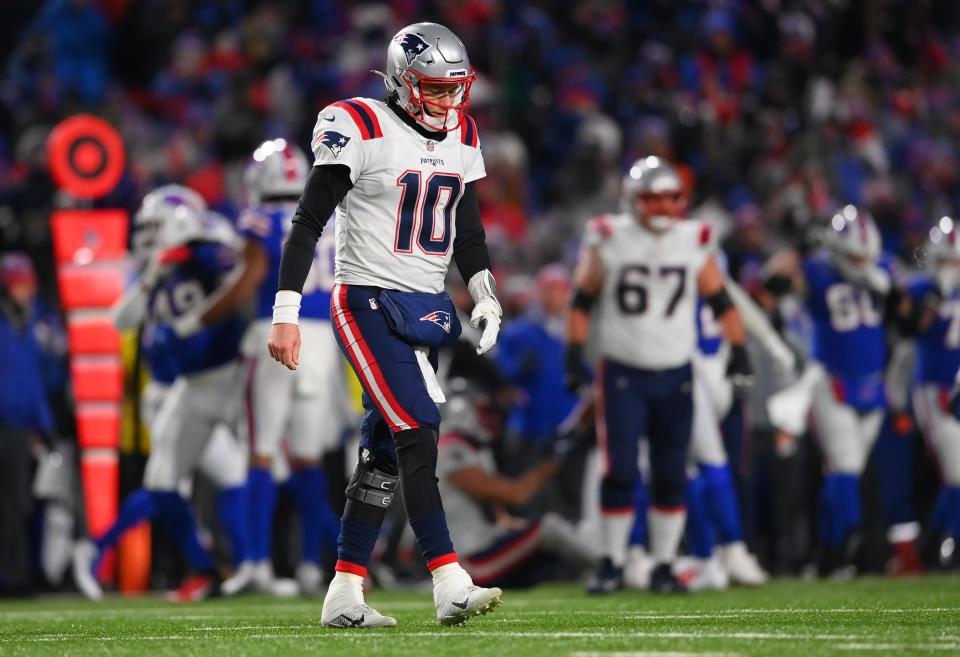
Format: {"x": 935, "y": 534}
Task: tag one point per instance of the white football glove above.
{"x": 486, "y": 311}
{"x": 486, "y": 314}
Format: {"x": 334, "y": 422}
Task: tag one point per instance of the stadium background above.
{"x": 778, "y": 112}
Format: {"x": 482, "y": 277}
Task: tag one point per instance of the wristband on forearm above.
{"x": 286, "y": 307}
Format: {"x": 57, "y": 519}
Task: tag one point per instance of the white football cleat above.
{"x": 457, "y": 598}
{"x": 741, "y": 566}
{"x": 344, "y": 607}
{"x": 309, "y": 579}
{"x": 636, "y": 570}
{"x": 243, "y": 579}
{"x": 709, "y": 575}
{"x": 84, "y": 555}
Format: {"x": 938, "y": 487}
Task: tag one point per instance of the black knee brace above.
{"x": 372, "y": 482}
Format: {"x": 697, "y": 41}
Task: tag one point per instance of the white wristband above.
{"x": 286, "y": 307}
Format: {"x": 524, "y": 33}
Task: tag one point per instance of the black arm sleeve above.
{"x": 326, "y": 186}
{"x": 470, "y": 246}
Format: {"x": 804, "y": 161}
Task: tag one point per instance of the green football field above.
{"x": 867, "y": 616}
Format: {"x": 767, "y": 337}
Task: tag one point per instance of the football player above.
{"x": 307, "y": 406}
{"x": 713, "y": 509}
{"x": 498, "y": 549}
{"x": 644, "y": 269}
{"x": 192, "y": 253}
{"x": 402, "y": 174}
{"x": 936, "y": 298}
{"x": 846, "y": 285}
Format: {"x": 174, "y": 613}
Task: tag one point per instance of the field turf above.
{"x": 868, "y": 617}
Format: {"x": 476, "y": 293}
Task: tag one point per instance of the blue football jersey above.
{"x": 709, "y": 333}
{"x": 938, "y": 345}
{"x": 269, "y": 225}
{"x": 198, "y": 272}
{"x": 848, "y": 333}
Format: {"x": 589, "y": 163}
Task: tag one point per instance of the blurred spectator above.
{"x": 24, "y": 416}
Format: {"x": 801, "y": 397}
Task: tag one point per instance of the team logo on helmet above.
{"x": 439, "y": 317}
{"x": 413, "y": 47}
{"x": 333, "y": 140}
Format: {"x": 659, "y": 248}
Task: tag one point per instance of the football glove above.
{"x": 739, "y": 371}
{"x": 486, "y": 310}
{"x": 575, "y": 375}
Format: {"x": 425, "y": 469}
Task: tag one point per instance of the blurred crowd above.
{"x": 776, "y": 112}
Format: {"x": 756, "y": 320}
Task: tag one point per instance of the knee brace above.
{"x": 372, "y": 483}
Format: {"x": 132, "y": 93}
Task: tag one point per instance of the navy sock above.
{"x": 829, "y": 524}
{"x": 850, "y": 500}
{"x": 700, "y": 531}
{"x": 720, "y": 498}
{"x": 234, "y": 515}
{"x": 176, "y": 518}
{"x": 263, "y": 495}
{"x": 356, "y": 543}
{"x": 433, "y": 537}
{"x": 318, "y": 524}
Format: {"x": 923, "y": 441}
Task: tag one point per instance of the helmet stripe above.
{"x": 289, "y": 163}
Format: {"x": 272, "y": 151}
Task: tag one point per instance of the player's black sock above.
{"x": 417, "y": 455}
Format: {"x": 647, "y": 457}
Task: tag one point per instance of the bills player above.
{"x": 402, "y": 174}
{"x": 306, "y": 406}
{"x": 846, "y": 285}
{"x": 936, "y": 298}
{"x": 637, "y": 283}
{"x": 191, "y": 252}
{"x": 713, "y": 509}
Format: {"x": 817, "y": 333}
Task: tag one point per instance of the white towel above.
{"x": 429, "y": 376}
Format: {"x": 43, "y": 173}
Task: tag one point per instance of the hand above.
{"x": 284, "y": 344}
{"x": 486, "y": 315}
{"x": 562, "y": 446}
{"x": 739, "y": 371}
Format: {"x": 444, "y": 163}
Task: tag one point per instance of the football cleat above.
{"x": 309, "y": 579}
{"x": 456, "y": 605}
{"x": 741, "y": 566}
{"x": 194, "y": 589}
{"x": 457, "y": 598}
{"x": 709, "y": 575}
{"x": 636, "y": 572}
{"x": 84, "y": 561}
{"x": 344, "y": 607}
{"x": 244, "y": 579}
{"x": 609, "y": 578}
{"x": 662, "y": 580}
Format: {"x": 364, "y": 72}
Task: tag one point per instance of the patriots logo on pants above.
{"x": 439, "y": 317}
{"x": 333, "y": 140}
{"x": 413, "y": 46}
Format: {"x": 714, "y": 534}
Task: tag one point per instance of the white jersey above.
{"x": 396, "y": 227}
{"x": 645, "y": 317}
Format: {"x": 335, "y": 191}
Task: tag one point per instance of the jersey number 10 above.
{"x": 430, "y": 207}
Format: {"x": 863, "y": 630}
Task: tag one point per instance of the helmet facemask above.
{"x": 659, "y": 211}
{"x": 440, "y": 112}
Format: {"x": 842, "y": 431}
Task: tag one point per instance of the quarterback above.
{"x": 401, "y": 174}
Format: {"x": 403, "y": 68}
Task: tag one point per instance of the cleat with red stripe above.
{"x": 194, "y": 589}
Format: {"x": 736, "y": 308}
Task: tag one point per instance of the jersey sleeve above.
{"x": 455, "y": 454}
{"x": 596, "y": 232}
{"x": 473, "y": 160}
{"x": 256, "y": 226}
{"x": 337, "y": 139}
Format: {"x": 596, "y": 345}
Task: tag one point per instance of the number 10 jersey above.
{"x": 396, "y": 227}
{"x": 646, "y": 315}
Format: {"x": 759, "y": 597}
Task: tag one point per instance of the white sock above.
{"x": 346, "y": 584}
{"x": 666, "y": 530}
{"x": 614, "y": 534}
{"x": 451, "y": 573}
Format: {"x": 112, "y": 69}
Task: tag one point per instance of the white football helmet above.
{"x": 431, "y": 53}
{"x": 854, "y": 236}
{"x": 650, "y": 175}
{"x": 277, "y": 170}
{"x": 469, "y": 411}
{"x": 155, "y": 210}
{"x": 943, "y": 254}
